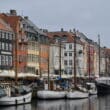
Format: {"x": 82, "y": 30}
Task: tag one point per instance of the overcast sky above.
{"x": 92, "y": 17}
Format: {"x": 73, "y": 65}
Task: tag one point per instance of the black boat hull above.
{"x": 103, "y": 89}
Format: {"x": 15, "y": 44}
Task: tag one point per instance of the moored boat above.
{"x": 77, "y": 95}
{"x": 103, "y": 85}
{"x": 48, "y": 94}
{"x": 15, "y": 96}
{"x": 15, "y": 100}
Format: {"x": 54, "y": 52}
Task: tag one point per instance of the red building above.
{"x": 90, "y": 59}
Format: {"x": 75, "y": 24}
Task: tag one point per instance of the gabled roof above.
{"x": 12, "y": 20}
{"x": 70, "y": 36}
{"x": 4, "y": 26}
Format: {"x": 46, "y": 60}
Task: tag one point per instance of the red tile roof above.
{"x": 4, "y": 26}
{"x": 70, "y": 36}
{"x": 12, "y": 20}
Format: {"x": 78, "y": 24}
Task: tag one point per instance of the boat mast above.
{"x": 106, "y": 62}
{"x": 40, "y": 59}
{"x": 16, "y": 59}
{"x": 48, "y": 67}
{"x": 60, "y": 57}
{"x": 75, "y": 80}
{"x": 99, "y": 52}
{"x": 89, "y": 60}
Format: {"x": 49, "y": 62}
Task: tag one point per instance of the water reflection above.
{"x": 91, "y": 103}
{"x": 83, "y": 104}
{"x": 19, "y": 107}
{"x": 104, "y": 103}
{"x": 77, "y": 104}
{"x": 51, "y": 105}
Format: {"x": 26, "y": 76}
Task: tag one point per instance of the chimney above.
{"x": 74, "y": 30}
{"x": 45, "y": 30}
{"x": 13, "y": 12}
{"x": 70, "y": 30}
{"x": 26, "y": 17}
{"x": 62, "y": 30}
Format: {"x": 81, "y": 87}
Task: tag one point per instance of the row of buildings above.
{"x": 24, "y": 48}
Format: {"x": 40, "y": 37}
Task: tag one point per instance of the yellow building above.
{"x": 33, "y": 57}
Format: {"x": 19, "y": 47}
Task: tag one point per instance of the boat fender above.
{"x": 24, "y": 99}
{"x": 16, "y": 102}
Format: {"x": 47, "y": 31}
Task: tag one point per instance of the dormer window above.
{"x": 64, "y": 38}
{"x": 70, "y": 46}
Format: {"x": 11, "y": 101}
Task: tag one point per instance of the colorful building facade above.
{"x": 6, "y": 46}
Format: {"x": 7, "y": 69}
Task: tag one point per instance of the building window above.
{"x": 2, "y": 35}
{"x": 70, "y": 71}
{"x": 65, "y": 54}
{"x": 6, "y": 60}
{"x": 65, "y": 62}
{"x": 70, "y": 46}
{"x": 70, "y": 62}
{"x": 10, "y": 36}
{"x": 6, "y": 36}
{"x": 0, "y": 60}
{"x": 3, "y": 46}
{"x": 70, "y": 54}
{"x": 0, "y": 45}
{"x": 10, "y": 47}
{"x": 6, "y": 46}
{"x": 10, "y": 60}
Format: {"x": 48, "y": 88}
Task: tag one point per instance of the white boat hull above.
{"x": 77, "y": 95}
{"x": 51, "y": 94}
{"x": 16, "y": 100}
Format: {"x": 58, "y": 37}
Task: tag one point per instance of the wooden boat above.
{"x": 11, "y": 100}
{"x": 77, "y": 95}
{"x": 103, "y": 85}
{"x": 91, "y": 86}
{"x": 19, "y": 96}
{"x": 48, "y": 94}
{"x": 51, "y": 94}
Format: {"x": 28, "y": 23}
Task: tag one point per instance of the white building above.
{"x": 67, "y": 39}
{"x": 69, "y": 59}
{"x": 56, "y": 58}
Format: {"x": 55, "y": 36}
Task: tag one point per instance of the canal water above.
{"x": 92, "y": 103}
